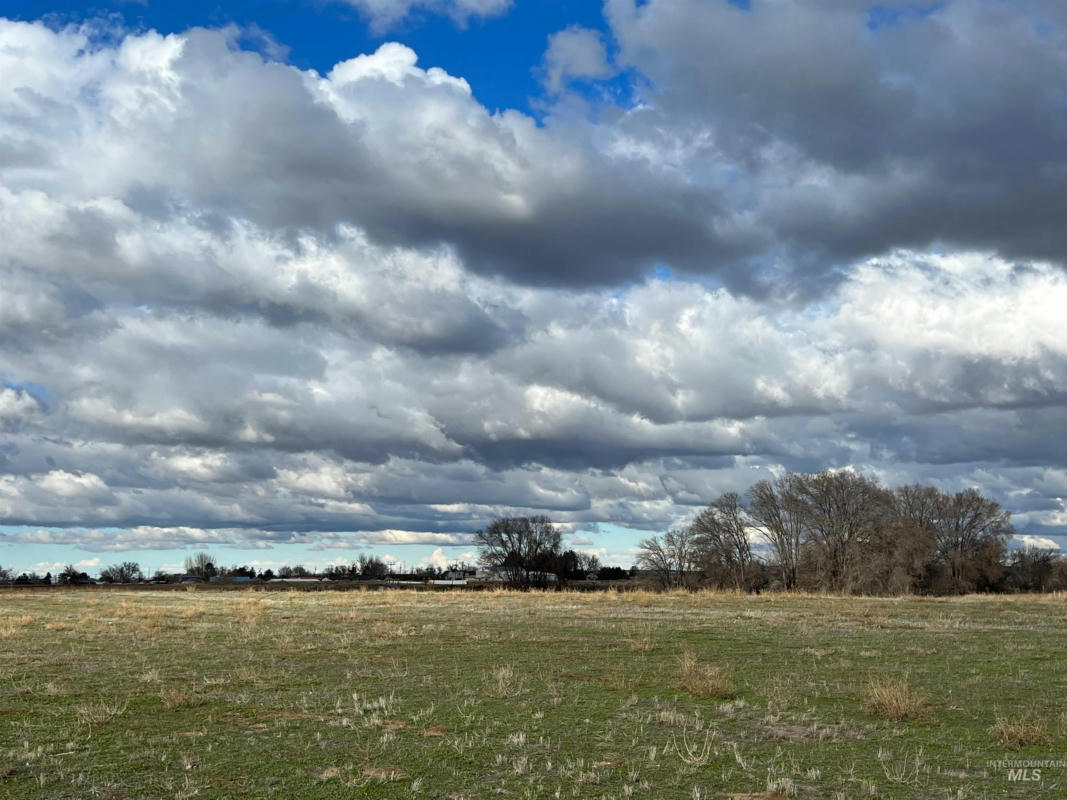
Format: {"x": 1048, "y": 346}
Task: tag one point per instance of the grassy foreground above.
{"x": 402, "y": 694}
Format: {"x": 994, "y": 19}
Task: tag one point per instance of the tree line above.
{"x": 840, "y": 531}
{"x": 836, "y": 531}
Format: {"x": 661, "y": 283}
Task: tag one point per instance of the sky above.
{"x": 292, "y": 282}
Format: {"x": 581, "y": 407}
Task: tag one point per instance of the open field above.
{"x": 400, "y": 694}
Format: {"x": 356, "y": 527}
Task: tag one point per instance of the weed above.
{"x": 1021, "y": 731}
{"x": 702, "y": 679}
{"x": 895, "y": 698}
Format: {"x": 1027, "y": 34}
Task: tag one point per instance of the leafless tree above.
{"x": 588, "y": 562}
{"x": 524, "y": 547}
{"x": 971, "y": 534}
{"x": 672, "y": 559}
{"x": 922, "y": 505}
{"x": 200, "y": 564}
{"x": 126, "y": 572}
{"x": 720, "y": 536}
{"x": 777, "y": 514}
{"x": 841, "y": 511}
{"x": 896, "y": 559}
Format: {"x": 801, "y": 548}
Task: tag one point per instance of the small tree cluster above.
{"x": 126, "y": 572}
{"x": 365, "y": 568}
{"x": 843, "y": 532}
{"x": 71, "y": 575}
{"x": 202, "y": 565}
{"x": 529, "y": 552}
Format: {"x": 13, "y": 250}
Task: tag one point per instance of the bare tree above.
{"x": 653, "y": 557}
{"x": 841, "y": 511}
{"x": 201, "y": 564}
{"x": 971, "y": 533}
{"x": 896, "y": 559}
{"x": 968, "y": 532}
{"x": 672, "y": 559}
{"x": 921, "y": 505}
{"x": 524, "y": 547}
{"x": 778, "y": 516}
{"x": 293, "y": 571}
{"x": 589, "y": 562}
{"x": 720, "y": 536}
{"x": 371, "y": 567}
{"x": 126, "y": 572}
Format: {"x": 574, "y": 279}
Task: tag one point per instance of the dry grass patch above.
{"x": 896, "y": 698}
{"x": 11, "y": 625}
{"x": 179, "y": 697}
{"x": 95, "y": 713}
{"x": 384, "y": 773}
{"x": 643, "y": 645}
{"x": 327, "y": 774}
{"x": 503, "y": 682}
{"x": 1019, "y": 731}
{"x": 704, "y": 680}
{"x": 193, "y": 612}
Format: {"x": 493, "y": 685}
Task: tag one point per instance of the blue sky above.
{"x": 498, "y": 55}
{"x": 293, "y": 281}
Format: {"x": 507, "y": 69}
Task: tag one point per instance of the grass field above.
{"x": 402, "y": 694}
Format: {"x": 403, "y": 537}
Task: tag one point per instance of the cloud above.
{"x": 15, "y": 405}
{"x": 846, "y": 137}
{"x": 635, "y": 409}
{"x": 385, "y": 14}
{"x": 143, "y": 537}
{"x": 574, "y": 52}
{"x": 192, "y": 134}
{"x": 247, "y": 305}
{"x": 1037, "y": 542}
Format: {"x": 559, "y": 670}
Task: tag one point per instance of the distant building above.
{"x": 460, "y": 574}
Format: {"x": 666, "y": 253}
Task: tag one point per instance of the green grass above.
{"x": 400, "y": 694}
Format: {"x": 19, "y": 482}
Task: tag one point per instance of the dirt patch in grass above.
{"x": 812, "y": 732}
{"x": 384, "y": 773}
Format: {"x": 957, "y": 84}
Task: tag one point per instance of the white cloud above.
{"x": 16, "y": 404}
{"x": 267, "y": 306}
{"x": 1037, "y": 542}
{"x": 384, "y": 14}
{"x": 69, "y": 485}
{"x": 575, "y": 52}
{"x": 436, "y": 559}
